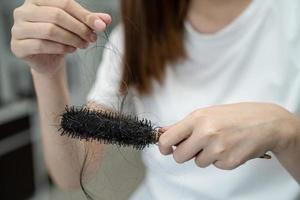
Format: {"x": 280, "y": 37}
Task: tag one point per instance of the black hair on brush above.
{"x": 108, "y": 127}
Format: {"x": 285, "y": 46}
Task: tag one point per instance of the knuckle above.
{"x": 219, "y": 149}
{"x": 200, "y": 138}
{"x": 13, "y": 47}
{"x": 196, "y": 115}
{"x": 84, "y": 31}
{"x": 13, "y": 30}
{"x": 201, "y": 114}
{"x": 208, "y": 123}
{"x": 17, "y": 12}
{"x": 64, "y": 48}
{"x": 50, "y": 30}
{"x": 57, "y": 15}
{"x": 74, "y": 40}
{"x": 65, "y": 4}
{"x": 38, "y": 46}
{"x": 211, "y": 126}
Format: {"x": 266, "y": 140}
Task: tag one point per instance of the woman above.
{"x": 223, "y": 77}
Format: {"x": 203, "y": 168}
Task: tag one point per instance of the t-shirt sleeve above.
{"x": 105, "y": 90}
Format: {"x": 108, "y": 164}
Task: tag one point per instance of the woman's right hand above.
{"x": 45, "y": 31}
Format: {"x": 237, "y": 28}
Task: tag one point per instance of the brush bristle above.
{"x": 107, "y": 127}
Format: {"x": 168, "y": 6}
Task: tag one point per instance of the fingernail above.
{"x": 99, "y": 25}
{"x": 93, "y": 37}
{"x": 105, "y": 17}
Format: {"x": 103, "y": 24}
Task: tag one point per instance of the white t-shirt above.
{"x": 255, "y": 58}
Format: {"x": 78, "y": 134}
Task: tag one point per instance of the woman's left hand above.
{"x": 228, "y": 135}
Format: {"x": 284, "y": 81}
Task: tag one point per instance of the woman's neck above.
{"x": 210, "y": 16}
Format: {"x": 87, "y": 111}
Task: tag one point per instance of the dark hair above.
{"x": 154, "y": 31}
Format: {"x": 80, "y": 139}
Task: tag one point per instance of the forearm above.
{"x": 289, "y": 154}
{"x": 44, "y": 52}
{"x": 63, "y": 156}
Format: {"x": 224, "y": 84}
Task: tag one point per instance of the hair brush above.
{"x": 110, "y": 128}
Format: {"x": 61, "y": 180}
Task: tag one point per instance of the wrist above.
{"x": 289, "y": 133}
{"x": 59, "y": 74}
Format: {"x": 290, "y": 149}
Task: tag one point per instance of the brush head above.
{"x": 107, "y": 127}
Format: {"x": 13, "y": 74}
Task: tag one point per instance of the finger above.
{"x": 95, "y": 22}
{"x": 177, "y": 133}
{"x": 165, "y": 151}
{"x": 174, "y": 135}
{"x": 221, "y": 165}
{"x": 37, "y": 46}
{"x": 225, "y": 165}
{"x": 188, "y": 149}
{"x": 77, "y": 11}
{"x": 61, "y": 18}
{"x": 105, "y": 17}
{"x": 205, "y": 158}
{"x": 99, "y": 21}
{"x": 230, "y": 160}
{"x": 48, "y": 31}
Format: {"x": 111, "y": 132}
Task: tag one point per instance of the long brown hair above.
{"x": 154, "y": 31}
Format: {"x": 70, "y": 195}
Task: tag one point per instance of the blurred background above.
{"x": 22, "y": 171}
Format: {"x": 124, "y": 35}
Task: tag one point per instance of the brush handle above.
{"x": 161, "y": 131}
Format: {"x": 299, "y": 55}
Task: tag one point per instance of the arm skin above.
{"x": 44, "y": 32}
{"x": 63, "y": 156}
